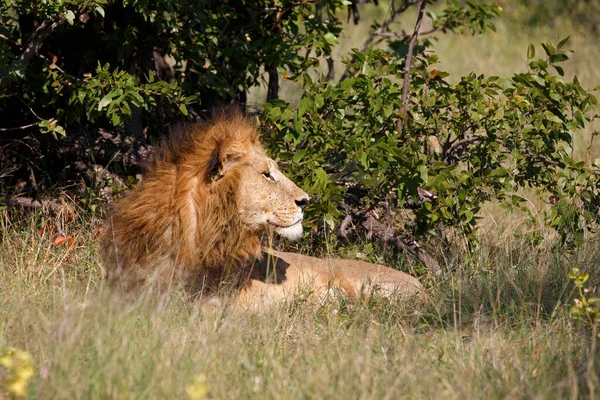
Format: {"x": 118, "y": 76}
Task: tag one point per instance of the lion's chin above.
{"x": 293, "y": 232}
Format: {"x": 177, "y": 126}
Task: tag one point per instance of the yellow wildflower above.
{"x": 17, "y": 369}
{"x": 199, "y": 389}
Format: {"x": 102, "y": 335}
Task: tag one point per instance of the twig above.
{"x": 407, "y": 64}
{"x": 30, "y": 109}
{"x": 464, "y": 142}
{"x": 404, "y": 35}
{"x": 35, "y": 42}
{"x": 389, "y": 235}
{"x": 18, "y": 128}
{"x": 9, "y": 40}
{"x": 273, "y": 86}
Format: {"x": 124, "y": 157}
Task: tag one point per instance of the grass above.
{"x": 500, "y": 328}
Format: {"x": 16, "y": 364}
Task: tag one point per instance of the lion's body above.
{"x": 280, "y": 275}
{"x": 199, "y": 215}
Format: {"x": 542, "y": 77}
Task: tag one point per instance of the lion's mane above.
{"x": 183, "y": 219}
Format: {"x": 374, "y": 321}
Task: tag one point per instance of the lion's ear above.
{"x": 227, "y": 154}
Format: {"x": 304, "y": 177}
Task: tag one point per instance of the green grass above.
{"x": 499, "y": 328}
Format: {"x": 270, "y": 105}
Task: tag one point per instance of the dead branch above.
{"x": 383, "y": 28}
{"x": 29, "y": 203}
{"x": 458, "y": 147}
{"x": 330, "y": 70}
{"x": 19, "y": 128}
{"x": 273, "y": 88}
{"x": 407, "y": 244}
{"x": 404, "y": 35}
{"x": 35, "y": 42}
{"x": 407, "y": 64}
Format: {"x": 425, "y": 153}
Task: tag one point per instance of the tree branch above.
{"x": 330, "y": 70}
{"x": 273, "y": 88}
{"x": 39, "y": 37}
{"x": 389, "y": 235}
{"x": 384, "y": 26}
{"x": 35, "y": 42}
{"x": 404, "y": 35}
{"x": 407, "y": 64}
{"x": 459, "y": 145}
{"x": 18, "y": 128}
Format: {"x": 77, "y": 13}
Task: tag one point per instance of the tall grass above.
{"x": 499, "y": 328}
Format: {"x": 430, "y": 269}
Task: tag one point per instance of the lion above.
{"x": 198, "y": 217}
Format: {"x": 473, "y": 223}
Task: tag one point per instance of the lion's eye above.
{"x": 267, "y": 174}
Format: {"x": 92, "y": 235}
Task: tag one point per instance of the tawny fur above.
{"x": 198, "y": 217}
{"x": 183, "y": 218}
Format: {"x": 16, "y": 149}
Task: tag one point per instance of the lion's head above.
{"x": 206, "y": 199}
{"x": 267, "y": 198}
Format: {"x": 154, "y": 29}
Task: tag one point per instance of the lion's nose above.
{"x": 302, "y": 203}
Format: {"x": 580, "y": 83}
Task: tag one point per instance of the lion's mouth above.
{"x": 278, "y": 226}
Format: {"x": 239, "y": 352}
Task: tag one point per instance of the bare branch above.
{"x": 330, "y": 70}
{"x": 30, "y": 109}
{"x": 9, "y": 40}
{"x": 383, "y": 28}
{"x": 457, "y": 147}
{"x": 389, "y": 235}
{"x": 407, "y": 65}
{"x": 35, "y": 42}
{"x": 39, "y": 37}
{"x": 18, "y": 128}
{"x": 273, "y": 88}
{"x": 404, "y": 35}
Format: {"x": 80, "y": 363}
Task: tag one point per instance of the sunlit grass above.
{"x": 498, "y": 328}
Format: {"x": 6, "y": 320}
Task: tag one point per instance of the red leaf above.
{"x": 61, "y": 239}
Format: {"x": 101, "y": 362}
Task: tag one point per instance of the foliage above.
{"x": 464, "y": 144}
{"x": 106, "y": 79}
{"x": 90, "y": 70}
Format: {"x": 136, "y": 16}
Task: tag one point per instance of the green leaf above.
{"x": 299, "y": 155}
{"x": 100, "y": 11}
{"x": 331, "y": 39}
{"x": 579, "y": 117}
{"x": 105, "y": 101}
{"x": 563, "y": 42}
{"x": 531, "y": 52}
{"x": 70, "y": 17}
{"x": 319, "y": 101}
{"x": 499, "y": 172}
{"x": 321, "y": 175}
{"x": 557, "y": 58}
{"x": 560, "y": 70}
{"x": 183, "y": 109}
{"x": 329, "y": 221}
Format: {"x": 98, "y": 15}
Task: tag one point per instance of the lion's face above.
{"x": 269, "y": 199}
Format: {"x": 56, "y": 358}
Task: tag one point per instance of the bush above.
{"x": 462, "y": 145}
{"x": 106, "y": 79}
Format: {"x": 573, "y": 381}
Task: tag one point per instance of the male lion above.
{"x": 200, "y": 212}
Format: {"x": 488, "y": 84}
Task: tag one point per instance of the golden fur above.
{"x": 198, "y": 216}
{"x": 188, "y": 218}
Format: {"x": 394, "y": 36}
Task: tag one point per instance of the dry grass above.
{"x": 499, "y": 328}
